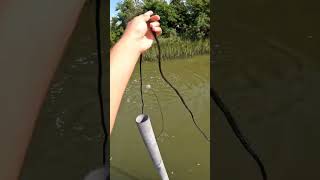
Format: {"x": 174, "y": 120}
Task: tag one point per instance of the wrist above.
{"x": 125, "y": 49}
{"x": 131, "y": 42}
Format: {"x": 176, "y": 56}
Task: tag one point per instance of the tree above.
{"x": 127, "y": 9}
{"x": 115, "y": 30}
{"x": 199, "y": 16}
{"x": 188, "y": 19}
{"x": 181, "y": 10}
{"x": 164, "y": 10}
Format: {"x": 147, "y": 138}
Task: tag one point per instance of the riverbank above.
{"x": 172, "y": 48}
{"x": 177, "y": 48}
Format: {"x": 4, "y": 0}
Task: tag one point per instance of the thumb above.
{"x": 146, "y": 16}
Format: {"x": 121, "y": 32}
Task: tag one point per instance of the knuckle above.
{"x": 135, "y": 18}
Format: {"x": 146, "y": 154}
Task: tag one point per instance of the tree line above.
{"x": 185, "y": 19}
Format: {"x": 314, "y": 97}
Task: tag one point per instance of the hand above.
{"x": 138, "y": 30}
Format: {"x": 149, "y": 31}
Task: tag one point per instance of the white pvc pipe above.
{"x": 147, "y": 134}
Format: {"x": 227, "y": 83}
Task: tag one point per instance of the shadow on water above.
{"x": 266, "y": 69}
{"x": 125, "y": 175}
{"x": 67, "y": 138}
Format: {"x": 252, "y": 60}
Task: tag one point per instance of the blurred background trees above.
{"x": 186, "y": 19}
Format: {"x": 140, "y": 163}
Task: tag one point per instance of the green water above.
{"x": 67, "y": 139}
{"x": 185, "y": 152}
{"x": 267, "y": 71}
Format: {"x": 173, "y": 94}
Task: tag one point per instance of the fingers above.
{"x": 157, "y": 30}
{"x": 154, "y": 24}
{"x": 146, "y": 16}
{"x": 155, "y": 18}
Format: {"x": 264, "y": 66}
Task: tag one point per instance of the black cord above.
{"x": 176, "y": 91}
{"x": 141, "y": 93}
{"x": 219, "y": 103}
{"x": 237, "y": 131}
{"x": 162, "y": 120}
{"x": 99, "y": 53}
{"x": 141, "y": 97}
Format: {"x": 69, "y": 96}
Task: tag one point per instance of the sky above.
{"x": 113, "y": 4}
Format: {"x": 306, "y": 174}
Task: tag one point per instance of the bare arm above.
{"x": 33, "y": 34}
{"x": 124, "y": 55}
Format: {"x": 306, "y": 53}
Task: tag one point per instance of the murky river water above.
{"x": 267, "y": 70}
{"x": 68, "y": 136}
{"x": 67, "y": 140}
{"x": 185, "y": 152}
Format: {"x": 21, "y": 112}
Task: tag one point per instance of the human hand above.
{"x": 138, "y": 30}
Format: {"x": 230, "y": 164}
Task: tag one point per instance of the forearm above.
{"x": 33, "y": 34}
{"x": 123, "y": 57}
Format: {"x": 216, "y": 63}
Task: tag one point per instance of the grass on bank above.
{"x": 175, "y": 47}
{"x": 172, "y": 48}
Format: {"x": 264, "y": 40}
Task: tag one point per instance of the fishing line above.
{"x": 166, "y": 80}
{"x": 99, "y": 81}
{"x": 237, "y": 131}
{"x": 219, "y": 103}
{"x": 141, "y": 93}
{"x": 142, "y": 101}
{"x": 162, "y": 120}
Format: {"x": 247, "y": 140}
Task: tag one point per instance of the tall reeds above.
{"x": 172, "y": 48}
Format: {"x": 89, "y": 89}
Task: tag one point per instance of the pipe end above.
{"x": 142, "y": 118}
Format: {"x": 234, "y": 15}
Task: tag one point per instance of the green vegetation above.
{"x": 185, "y": 24}
{"x": 172, "y": 48}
